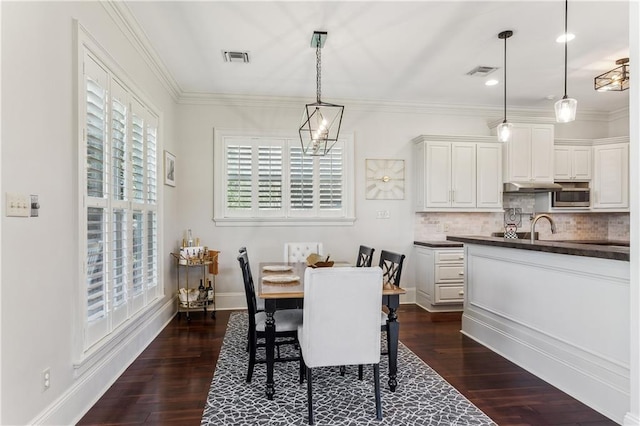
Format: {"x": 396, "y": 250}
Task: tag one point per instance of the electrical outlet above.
{"x": 446, "y": 227}
{"x": 18, "y": 205}
{"x": 46, "y": 379}
{"x": 382, "y": 214}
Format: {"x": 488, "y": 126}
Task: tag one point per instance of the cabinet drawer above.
{"x": 447, "y": 293}
{"x": 450, "y": 256}
{"x": 449, "y": 273}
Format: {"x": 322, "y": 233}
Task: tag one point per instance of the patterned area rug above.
{"x": 422, "y": 397}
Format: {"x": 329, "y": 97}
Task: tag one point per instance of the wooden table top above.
{"x": 295, "y": 289}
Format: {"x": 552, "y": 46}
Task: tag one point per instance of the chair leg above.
{"x": 309, "y": 396}
{"x": 343, "y": 370}
{"x": 376, "y": 381}
{"x": 302, "y": 369}
{"x": 360, "y": 372}
{"x": 252, "y": 360}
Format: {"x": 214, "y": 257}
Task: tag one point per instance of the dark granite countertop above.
{"x": 574, "y": 248}
{"x": 437, "y": 244}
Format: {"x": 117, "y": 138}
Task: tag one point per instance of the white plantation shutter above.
{"x": 96, "y": 264}
{"x": 152, "y": 253}
{"x": 330, "y": 181}
{"x": 269, "y": 179}
{"x": 119, "y": 192}
{"x": 137, "y": 156}
{"x": 301, "y": 192}
{"x": 239, "y": 180}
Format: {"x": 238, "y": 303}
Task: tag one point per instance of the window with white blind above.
{"x": 118, "y": 193}
{"x": 267, "y": 179}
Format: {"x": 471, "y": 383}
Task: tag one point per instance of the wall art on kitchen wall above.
{"x": 169, "y": 169}
{"x": 384, "y": 179}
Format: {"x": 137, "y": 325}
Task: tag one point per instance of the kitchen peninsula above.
{"x": 559, "y": 310}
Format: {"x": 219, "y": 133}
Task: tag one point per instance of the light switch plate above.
{"x": 18, "y": 205}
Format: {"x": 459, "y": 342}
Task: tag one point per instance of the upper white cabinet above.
{"x": 457, "y": 173}
{"x": 528, "y": 156}
{"x": 572, "y": 163}
{"x": 610, "y": 184}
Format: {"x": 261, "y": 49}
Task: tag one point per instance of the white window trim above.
{"x": 219, "y": 159}
{"x": 88, "y": 356}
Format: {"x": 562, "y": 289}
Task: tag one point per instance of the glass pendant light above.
{"x": 566, "y": 107}
{"x": 504, "y": 129}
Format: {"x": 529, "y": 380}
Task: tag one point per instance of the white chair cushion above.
{"x": 383, "y": 318}
{"x": 286, "y": 320}
{"x": 298, "y": 252}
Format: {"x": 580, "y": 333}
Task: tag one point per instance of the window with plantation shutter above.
{"x": 330, "y": 180}
{"x": 268, "y": 179}
{"x": 119, "y": 193}
{"x": 301, "y": 179}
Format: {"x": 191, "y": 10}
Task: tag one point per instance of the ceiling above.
{"x": 406, "y": 52}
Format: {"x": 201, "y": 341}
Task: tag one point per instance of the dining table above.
{"x": 281, "y": 284}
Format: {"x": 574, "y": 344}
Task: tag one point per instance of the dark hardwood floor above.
{"x": 168, "y": 383}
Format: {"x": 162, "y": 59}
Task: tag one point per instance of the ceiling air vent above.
{"x": 230, "y": 56}
{"x": 481, "y": 71}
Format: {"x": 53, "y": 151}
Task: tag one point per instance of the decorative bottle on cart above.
{"x": 210, "y": 292}
{"x": 202, "y": 294}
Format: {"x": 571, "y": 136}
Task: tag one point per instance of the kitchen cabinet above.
{"x": 529, "y": 155}
{"x": 439, "y": 278}
{"x": 454, "y": 173}
{"x": 572, "y": 163}
{"x": 610, "y": 185}
{"x": 489, "y": 176}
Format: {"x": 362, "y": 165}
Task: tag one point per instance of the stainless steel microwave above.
{"x": 571, "y": 196}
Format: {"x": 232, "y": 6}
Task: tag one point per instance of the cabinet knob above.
{"x": 461, "y": 273}
{"x": 461, "y": 293}
{"x": 461, "y": 258}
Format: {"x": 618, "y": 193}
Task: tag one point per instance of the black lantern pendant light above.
{"x": 566, "y": 107}
{"x": 504, "y": 129}
{"x": 320, "y": 121}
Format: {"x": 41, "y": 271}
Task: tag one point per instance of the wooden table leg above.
{"x": 393, "y": 330}
{"x": 270, "y": 343}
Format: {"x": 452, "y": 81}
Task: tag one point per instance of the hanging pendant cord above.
{"x": 505, "y": 80}
{"x": 318, "y": 67}
{"x": 566, "y": 8}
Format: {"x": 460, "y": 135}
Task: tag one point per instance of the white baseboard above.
{"x": 590, "y": 382}
{"x": 89, "y": 388}
{"x": 631, "y": 420}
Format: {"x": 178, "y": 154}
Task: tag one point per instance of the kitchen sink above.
{"x": 521, "y": 235}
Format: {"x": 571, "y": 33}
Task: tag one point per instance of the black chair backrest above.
{"x": 365, "y": 257}
{"x": 249, "y": 289}
{"x": 391, "y": 264}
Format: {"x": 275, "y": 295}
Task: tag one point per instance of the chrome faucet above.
{"x": 534, "y": 220}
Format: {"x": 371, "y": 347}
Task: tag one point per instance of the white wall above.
{"x": 40, "y": 288}
{"x": 380, "y": 132}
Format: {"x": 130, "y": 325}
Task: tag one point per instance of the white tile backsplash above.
{"x": 570, "y": 226}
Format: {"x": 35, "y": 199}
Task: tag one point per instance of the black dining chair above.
{"x": 287, "y": 322}
{"x": 365, "y": 256}
{"x": 391, "y": 265}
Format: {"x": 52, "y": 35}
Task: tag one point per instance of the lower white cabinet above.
{"x": 439, "y": 278}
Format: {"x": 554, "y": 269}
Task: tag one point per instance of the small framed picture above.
{"x": 169, "y": 169}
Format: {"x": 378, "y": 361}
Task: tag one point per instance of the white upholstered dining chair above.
{"x": 341, "y": 323}
{"x": 298, "y": 252}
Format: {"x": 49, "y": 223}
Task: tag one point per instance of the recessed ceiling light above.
{"x": 491, "y": 82}
{"x": 565, "y": 38}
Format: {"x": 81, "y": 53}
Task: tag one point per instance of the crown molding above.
{"x": 132, "y": 30}
{"x": 492, "y": 114}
